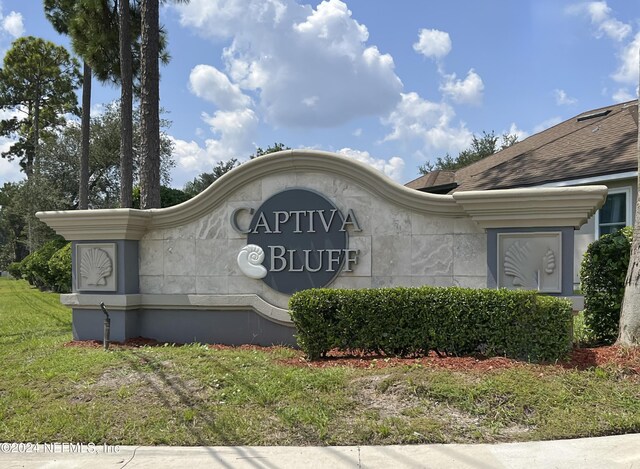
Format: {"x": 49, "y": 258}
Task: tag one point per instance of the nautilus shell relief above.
{"x": 549, "y": 262}
{"x": 95, "y": 267}
{"x": 250, "y": 261}
{"x": 524, "y": 264}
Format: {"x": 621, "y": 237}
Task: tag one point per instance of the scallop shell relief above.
{"x": 517, "y": 265}
{"x": 95, "y": 267}
{"x": 521, "y": 263}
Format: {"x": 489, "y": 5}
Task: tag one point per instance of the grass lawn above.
{"x": 199, "y": 395}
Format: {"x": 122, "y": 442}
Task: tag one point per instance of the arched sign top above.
{"x": 304, "y": 161}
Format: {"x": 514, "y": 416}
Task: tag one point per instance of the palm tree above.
{"x": 150, "y": 104}
{"x": 105, "y": 33}
{"x": 126, "y": 106}
{"x": 59, "y": 13}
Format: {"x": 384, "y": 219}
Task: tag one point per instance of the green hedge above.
{"x": 412, "y": 321}
{"x": 40, "y": 271}
{"x": 602, "y": 276}
{"x": 15, "y": 270}
{"x": 35, "y": 267}
{"x": 60, "y": 269}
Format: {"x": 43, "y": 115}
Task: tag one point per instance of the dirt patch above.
{"x": 155, "y": 381}
{"x": 385, "y": 395}
{"x": 391, "y": 397}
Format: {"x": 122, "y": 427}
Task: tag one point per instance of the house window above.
{"x": 616, "y": 211}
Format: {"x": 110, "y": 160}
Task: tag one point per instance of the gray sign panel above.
{"x": 304, "y": 239}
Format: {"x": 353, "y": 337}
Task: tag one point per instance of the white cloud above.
{"x": 209, "y": 83}
{"x": 514, "y": 130}
{"x": 357, "y": 132}
{"x": 436, "y": 45}
{"x": 468, "y": 91}
{"x": 220, "y": 18}
{"x": 546, "y": 124}
{"x": 433, "y": 43}
{"x": 392, "y": 167}
{"x": 310, "y": 101}
{"x": 622, "y": 95}
{"x": 628, "y": 70}
{"x": 600, "y": 15}
{"x": 599, "y": 11}
{"x": 9, "y": 170}
{"x": 611, "y": 27}
{"x": 236, "y": 122}
{"x": 98, "y": 109}
{"x": 234, "y": 130}
{"x": 13, "y": 24}
{"x": 8, "y": 113}
{"x": 627, "y": 53}
{"x": 331, "y": 23}
{"x": 307, "y": 67}
{"x": 562, "y": 98}
{"x": 427, "y": 122}
{"x": 190, "y": 156}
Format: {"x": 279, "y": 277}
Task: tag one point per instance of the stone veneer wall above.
{"x": 397, "y": 246}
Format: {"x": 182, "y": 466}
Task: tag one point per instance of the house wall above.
{"x": 587, "y": 233}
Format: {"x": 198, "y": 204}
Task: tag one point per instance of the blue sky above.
{"x": 392, "y": 84}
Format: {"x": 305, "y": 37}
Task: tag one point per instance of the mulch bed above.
{"x": 130, "y": 343}
{"x": 581, "y": 358}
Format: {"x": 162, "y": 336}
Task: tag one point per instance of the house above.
{"x": 599, "y": 146}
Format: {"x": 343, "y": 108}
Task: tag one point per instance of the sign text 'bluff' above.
{"x": 296, "y": 239}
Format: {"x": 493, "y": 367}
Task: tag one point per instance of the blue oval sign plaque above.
{"x": 297, "y": 239}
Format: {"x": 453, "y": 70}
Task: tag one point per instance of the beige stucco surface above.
{"x": 397, "y": 246}
{"x": 187, "y": 253}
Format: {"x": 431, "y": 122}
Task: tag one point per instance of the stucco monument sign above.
{"x": 222, "y": 266}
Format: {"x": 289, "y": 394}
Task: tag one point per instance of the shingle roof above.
{"x": 593, "y": 143}
{"x": 433, "y": 179}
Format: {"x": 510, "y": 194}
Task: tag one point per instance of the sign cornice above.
{"x": 548, "y": 206}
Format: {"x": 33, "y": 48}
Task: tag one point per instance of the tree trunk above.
{"x": 83, "y": 189}
{"x": 126, "y": 107}
{"x": 28, "y": 160}
{"x": 150, "y": 107}
{"x": 32, "y": 156}
{"x": 630, "y": 313}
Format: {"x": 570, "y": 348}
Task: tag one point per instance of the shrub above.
{"x": 15, "y": 270}
{"x": 60, "y": 269}
{"x": 25, "y": 269}
{"x": 602, "y": 275}
{"x": 411, "y": 321}
{"x": 35, "y": 267}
